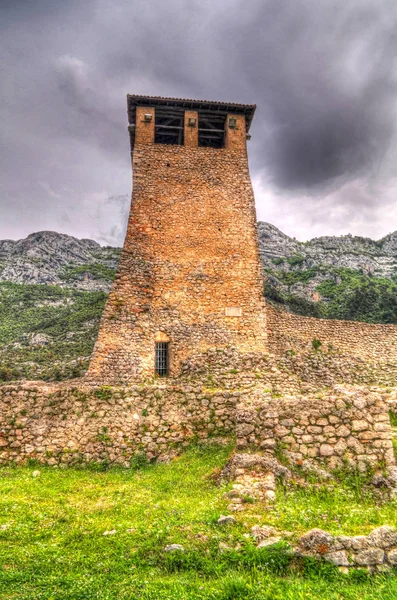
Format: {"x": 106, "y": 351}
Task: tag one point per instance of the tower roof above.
{"x": 134, "y": 100}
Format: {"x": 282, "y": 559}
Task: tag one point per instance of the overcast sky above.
{"x": 323, "y": 74}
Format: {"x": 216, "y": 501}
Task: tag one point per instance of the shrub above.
{"x": 104, "y": 393}
{"x": 139, "y": 461}
{"x": 316, "y": 343}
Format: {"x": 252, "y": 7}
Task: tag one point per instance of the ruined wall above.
{"x": 344, "y": 425}
{"x": 287, "y": 331}
{"x": 56, "y": 424}
{"x": 59, "y": 424}
{"x": 190, "y": 255}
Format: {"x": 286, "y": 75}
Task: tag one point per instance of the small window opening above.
{"x": 211, "y": 129}
{"x": 169, "y": 127}
{"x": 162, "y": 359}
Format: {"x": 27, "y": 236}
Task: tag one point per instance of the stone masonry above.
{"x": 346, "y": 426}
{"x": 376, "y": 551}
{"x": 190, "y": 272}
{"x": 190, "y": 278}
{"x": 373, "y": 343}
{"x": 64, "y": 423}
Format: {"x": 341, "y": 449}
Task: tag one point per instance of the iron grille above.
{"x": 162, "y": 359}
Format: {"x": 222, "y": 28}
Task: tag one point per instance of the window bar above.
{"x": 161, "y": 359}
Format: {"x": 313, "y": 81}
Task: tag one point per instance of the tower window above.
{"x": 168, "y": 126}
{"x": 211, "y": 129}
{"x": 162, "y": 359}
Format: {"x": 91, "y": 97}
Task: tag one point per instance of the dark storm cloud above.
{"x": 327, "y": 87}
{"x": 322, "y": 74}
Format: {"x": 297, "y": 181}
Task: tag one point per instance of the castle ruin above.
{"x": 187, "y": 349}
{"x": 190, "y": 274}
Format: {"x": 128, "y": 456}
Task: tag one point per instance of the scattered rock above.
{"x": 174, "y": 548}
{"x": 111, "y": 532}
{"x": 36, "y": 473}
{"x": 224, "y": 547}
{"x": 261, "y": 533}
{"x": 226, "y": 520}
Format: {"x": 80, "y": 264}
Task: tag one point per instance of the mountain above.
{"x": 53, "y": 288}
{"x": 377, "y": 258}
{"x": 55, "y": 258}
{"x": 340, "y": 277}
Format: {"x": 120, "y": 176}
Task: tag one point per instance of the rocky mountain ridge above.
{"x": 48, "y": 257}
{"x": 340, "y": 277}
{"x": 377, "y": 258}
{"x": 42, "y": 257}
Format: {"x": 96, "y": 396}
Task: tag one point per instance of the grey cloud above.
{"x": 322, "y": 74}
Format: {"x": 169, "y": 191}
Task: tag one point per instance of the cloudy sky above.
{"x": 323, "y": 73}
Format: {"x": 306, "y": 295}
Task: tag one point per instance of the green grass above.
{"x": 53, "y": 546}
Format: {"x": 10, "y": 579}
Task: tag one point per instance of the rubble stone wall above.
{"x": 292, "y": 373}
{"x": 377, "y": 551}
{"x": 287, "y": 331}
{"x": 59, "y": 424}
{"x": 344, "y": 425}
{"x": 55, "y": 424}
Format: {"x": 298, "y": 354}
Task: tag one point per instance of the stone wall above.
{"x": 292, "y": 373}
{"x": 344, "y": 425}
{"x": 190, "y": 267}
{"x": 58, "y": 424}
{"x": 372, "y": 343}
{"x": 377, "y": 551}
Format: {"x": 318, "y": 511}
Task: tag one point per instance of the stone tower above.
{"x": 190, "y": 275}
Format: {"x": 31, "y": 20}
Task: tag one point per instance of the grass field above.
{"x": 52, "y": 542}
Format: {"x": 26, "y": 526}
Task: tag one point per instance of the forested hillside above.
{"x": 53, "y": 288}
{"x": 344, "y": 277}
